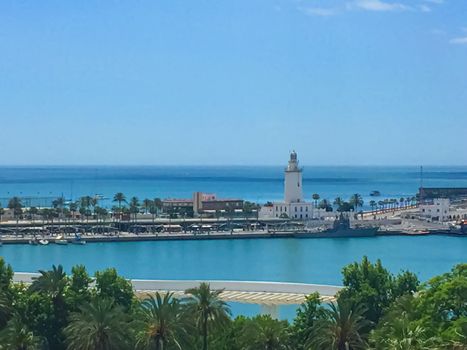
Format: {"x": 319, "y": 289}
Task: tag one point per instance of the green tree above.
{"x": 263, "y": 332}
{"x": 33, "y": 211}
{"x": 147, "y": 204}
{"x": 134, "y": 207}
{"x": 53, "y": 284}
{"x": 356, "y": 201}
{"x": 342, "y": 327}
{"x": 16, "y": 336}
{"x": 78, "y": 291}
{"x": 374, "y": 286}
{"x": 110, "y": 285}
{"x": 6, "y": 292}
{"x": 119, "y": 198}
{"x": 315, "y": 197}
{"x": 161, "y": 323}
{"x": 15, "y": 204}
{"x": 73, "y": 209}
{"x": 399, "y": 329}
{"x": 305, "y": 319}
{"x": 338, "y": 202}
{"x": 99, "y": 325}
{"x": 208, "y": 309}
{"x": 325, "y": 204}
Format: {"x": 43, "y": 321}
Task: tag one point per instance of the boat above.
{"x": 341, "y": 228}
{"x": 78, "y": 240}
{"x": 60, "y": 240}
{"x": 375, "y": 193}
{"x": 43, "y": 242}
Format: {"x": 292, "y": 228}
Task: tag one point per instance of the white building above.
{"x": 293, "y": 205}
{"x": 435, "y": 210}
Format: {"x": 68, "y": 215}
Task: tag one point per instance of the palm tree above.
{"x": 94, "y": 201}
{"x": 381, "y": 206}
{"x": 16, "y": 205}
{"x": 134, "y": 207}
{"x": 73, "y": 209}
{"x": 338, "y": 202}
{"x": 147, "y": 204}
{"x": 5, "y": 307}
{"x": 267, "y": 333}
{"x": 33, "y": 211}
{"x": 316, "y": 198}
{"x": 2, "y": 212}
{"x": 339, "y": 328}
{"x": 52, "y": 283}
{"x": 16, "y": 336}
{"x": 356, "y": 201}
{"x": 325, "y": 204}
{"x": 158, "y": 203}
{"x": 372, "y": 205}
{"x": 58, "y": 204}
{"x": 161, "y": 323}
{"x": 85, "y": 203}
{"x": 119, "y": 198}
{"x": 207, "y": 308}
{"x": 99, "y": 325}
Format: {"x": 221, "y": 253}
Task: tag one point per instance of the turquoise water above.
{"x": 259, "y": 183}
{"x": 288, "y": 260}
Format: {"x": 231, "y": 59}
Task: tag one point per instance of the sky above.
{"x": 343, "y": 82}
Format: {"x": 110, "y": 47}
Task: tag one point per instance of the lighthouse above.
{"x": 293, "y": 181}
{"x": 293, "y": 206}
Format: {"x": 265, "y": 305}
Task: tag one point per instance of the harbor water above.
{"x": 317, "y": 261}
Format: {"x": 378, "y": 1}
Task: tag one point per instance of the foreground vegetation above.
{"x": 375, "y": 310}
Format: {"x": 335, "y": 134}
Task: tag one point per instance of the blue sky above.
{"x": 233, "y": 82}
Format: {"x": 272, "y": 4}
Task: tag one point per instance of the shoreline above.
{"x": 216, "y": 236}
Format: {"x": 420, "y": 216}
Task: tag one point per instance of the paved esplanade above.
{"x": 269, "y": 295}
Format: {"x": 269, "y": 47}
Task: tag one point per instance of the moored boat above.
{"x": 78, "y": 241}
{"x": 60, "y": 240}
{"x": 43, "y": 242}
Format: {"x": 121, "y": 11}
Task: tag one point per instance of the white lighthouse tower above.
{"x": 293, "y": 206}
{"x": 293, "y": 181}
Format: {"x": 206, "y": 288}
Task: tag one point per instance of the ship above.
{"x": 340, "y": 228}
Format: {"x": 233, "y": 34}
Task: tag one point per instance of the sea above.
{"x": 254, "y": 183}
{"x": 317, "y": 261}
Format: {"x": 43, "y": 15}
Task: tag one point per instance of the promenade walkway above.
{"x": 270, "y": 295}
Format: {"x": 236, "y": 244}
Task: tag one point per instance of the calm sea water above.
{"x": 258, "y": 183}
{"x": 289, "y": 260}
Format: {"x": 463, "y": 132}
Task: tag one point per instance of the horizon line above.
{"x": 228, "y": 165}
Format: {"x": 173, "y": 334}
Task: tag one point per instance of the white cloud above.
{"x": 437, "y": 31}
{"x": 459, "y": 41}
{"x": 424, "y": 8}
{"x": 439, "y": 2}
{"x": 318, "y": 11}
{"x": 378, "y": 5}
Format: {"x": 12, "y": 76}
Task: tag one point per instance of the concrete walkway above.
{"x": 261, "y": 293}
